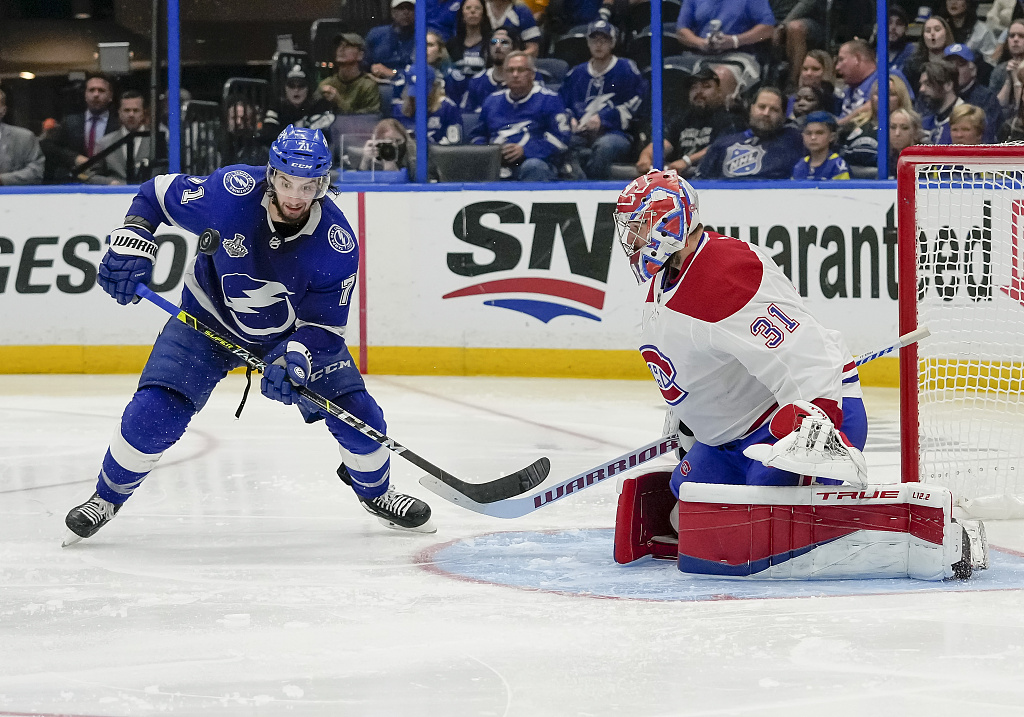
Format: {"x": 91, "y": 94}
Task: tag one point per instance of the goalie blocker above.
{"x": 799, "y": 532}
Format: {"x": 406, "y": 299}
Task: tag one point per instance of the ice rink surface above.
{"x": 243, "y": 578}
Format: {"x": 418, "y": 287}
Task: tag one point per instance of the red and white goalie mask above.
{"x": 653, "y": 216}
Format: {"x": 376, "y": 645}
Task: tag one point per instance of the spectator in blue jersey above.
{"x": 279, "y": 284}
{"x": 973, "y": 92}
{"x": 508, "y": 13}
{"x": 503, "y": 42}
{"x": 728, "y": 30}
{"x": 455, "y": 83}
{"x": 389, "y": 48}
{"x": 901, "y": 46}
{"x": 938, "y": 96}
{"x": 821, "y": 163}
{"x": 857, "y": 67}
{"x": 530, "y": 123}
{"x": 441, "y": 16}
{"x": 444, "y": 120}
{"x": 468, "y": 49}
{"x": 768, "y": 150}
{"x": 603, "y": 96}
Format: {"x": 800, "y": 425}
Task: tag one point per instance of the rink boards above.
{"x": 524, "y": 281}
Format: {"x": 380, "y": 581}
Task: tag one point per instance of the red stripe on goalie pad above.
{"x": 743, "y": 530}
{"x": 645, "y": 503}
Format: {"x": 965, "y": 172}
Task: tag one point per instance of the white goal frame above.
{"x": 995, "y": 244}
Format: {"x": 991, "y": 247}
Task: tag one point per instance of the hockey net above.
{"x": 961, "y": 248}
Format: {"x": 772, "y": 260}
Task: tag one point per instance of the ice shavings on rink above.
{"x": 579, "y": 562}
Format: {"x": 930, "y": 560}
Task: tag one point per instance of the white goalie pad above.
{"x": 822, "y": 532}
{"x": 816, "y": 449}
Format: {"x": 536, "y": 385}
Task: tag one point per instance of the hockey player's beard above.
{"x": 301, "y": 219}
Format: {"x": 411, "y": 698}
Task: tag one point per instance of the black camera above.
{"x": 386, "y": 150}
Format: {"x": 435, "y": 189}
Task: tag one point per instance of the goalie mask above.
{"x": 653, "y": 216}
{"x": 299, "y": 169}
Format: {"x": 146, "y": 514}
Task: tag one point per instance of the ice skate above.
{"x": 395, "y": 510}
{"x": 974, "y": 554}
{"x": 84, "y": 520}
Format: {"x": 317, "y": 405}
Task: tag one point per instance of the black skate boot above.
{"x": 395, "y": 510}
{"x": 83, "y": 521}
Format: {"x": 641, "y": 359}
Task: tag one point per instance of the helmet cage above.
{"x": 655, "y": 230}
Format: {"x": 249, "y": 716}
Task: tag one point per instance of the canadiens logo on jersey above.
{"x": 234, "y": 247}
{"x": 239, "y": 182}
{"x": 743, "y": 160}
{"x": 664, "y": 374}
{"x": 259, "y": 307}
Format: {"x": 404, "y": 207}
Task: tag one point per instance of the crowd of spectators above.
{"x": 769, "y": 90}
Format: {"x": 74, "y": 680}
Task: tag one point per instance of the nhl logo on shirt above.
{"x": 239, "y": 182}
{"x": 340, "y": 240}
{"x": 234, "y": 247}
{"x": 275, "y": 242}
{"x": 743, "y": 160}
{"x": 664, "y": 374}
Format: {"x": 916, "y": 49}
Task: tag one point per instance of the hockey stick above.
{"x": 482, "y": 493}
{"x": 518, "y": 506}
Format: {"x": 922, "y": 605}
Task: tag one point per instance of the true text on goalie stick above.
{"x": 498, "y": 489}
{"x": 518, "y": 506}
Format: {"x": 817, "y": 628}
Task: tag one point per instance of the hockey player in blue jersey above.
{"x": 279, "y": 285}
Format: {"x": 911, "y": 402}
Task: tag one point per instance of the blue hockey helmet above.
{"x": 301, "y": 152}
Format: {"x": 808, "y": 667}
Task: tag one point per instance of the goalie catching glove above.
{"x": 810, "y": 444}
{"x": 290, "y": 369}
{"x": 128, "y": 262}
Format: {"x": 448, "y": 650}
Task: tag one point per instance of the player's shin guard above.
{"x": 823, "y": 532}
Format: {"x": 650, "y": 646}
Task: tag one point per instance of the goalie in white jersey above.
{"x": 774, "y": 403}
{"x": 737, "y": 357}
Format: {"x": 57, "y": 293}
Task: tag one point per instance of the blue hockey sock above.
{"x": 368, "y": 462}
{"x": 153, "y": 421}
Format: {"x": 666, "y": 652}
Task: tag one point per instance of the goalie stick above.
{"x": 520, "y": 505}
{"x": 483, "y": 493}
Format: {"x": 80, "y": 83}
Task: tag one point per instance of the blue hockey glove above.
{"x": 127, "y": 263}
{"x": 290, "y": 370}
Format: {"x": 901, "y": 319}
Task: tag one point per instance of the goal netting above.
{"x": 961, "y": 244}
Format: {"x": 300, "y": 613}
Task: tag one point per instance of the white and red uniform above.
{"x": 731, "y": 341}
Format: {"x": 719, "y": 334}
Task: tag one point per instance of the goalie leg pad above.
{"x": 818, "y": 532}
{"x": 642, "y": 521}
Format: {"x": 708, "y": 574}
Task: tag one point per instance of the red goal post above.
{"x": 961, "y": 273}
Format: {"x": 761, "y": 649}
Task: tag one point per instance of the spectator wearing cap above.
{"x": 389, "y": 48}
{"x": 694, "y": 125}
{"x": 971, "y": 91}
{"x": 297, "y": 107}
{"x": 603, "y": 96}
{"x": 821, "y": 163}
{"x": 21, "y": 158}
{"x": 503, "y": 42}
{"x": 530, "y": 123}
{"x": 800, "y": 24}
{"x": 768, "y": 150}
{"x": 727, "y": 29}
{"x": 444, "y": 120}
{"x": 938, "y": 97}
{"x": 352, "y": 91}
{"x": 901, "y": 47}
{"x": 967, "y": 28}
{"x": 507, "y": 13}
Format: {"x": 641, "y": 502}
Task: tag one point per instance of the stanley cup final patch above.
{"x": 234, "y": 247}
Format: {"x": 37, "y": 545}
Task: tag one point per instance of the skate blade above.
{"x": 70, "y": 538}
{"x": 427, "y": 527}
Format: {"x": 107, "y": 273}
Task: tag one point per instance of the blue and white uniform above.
{"x": 265, "y": 287}
{"x": 455, "y": 86}
{"x": 834, "y": 167}
{"x": 538, "y": 122}
{"x": 519, "y": 17}
{"x": 746, "y": 156}
{"x": 614, "y": 95}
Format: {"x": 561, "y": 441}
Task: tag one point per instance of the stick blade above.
{"x": 458, "y": 491}
{"x": 515, "y": 507}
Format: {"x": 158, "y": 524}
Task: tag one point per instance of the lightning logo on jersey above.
{"x": 664, "y": 374}
{"x": 260, "y": 299}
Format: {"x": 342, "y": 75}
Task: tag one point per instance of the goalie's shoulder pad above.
{"x": 133, "y": 241}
